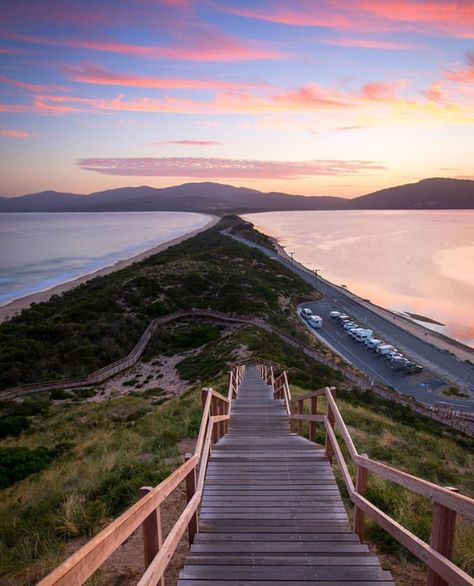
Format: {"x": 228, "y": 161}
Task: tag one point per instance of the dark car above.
{"x": 412, "y": 368}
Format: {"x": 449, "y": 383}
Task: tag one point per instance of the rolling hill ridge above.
{"x": 217, "y": 198}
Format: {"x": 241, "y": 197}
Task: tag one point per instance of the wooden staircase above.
{"x": 271, "y": 510}
{"x": 263, "y": 506}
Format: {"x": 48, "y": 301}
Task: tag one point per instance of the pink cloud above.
{"x": 436, "y": 16}
{"x": 14, "y": 133}
{"x": 214, "y": 168}
{"x": 203, "y": 143}
{"x": 95, "y": 74}
{"x": 313, "y": 96}
{"x": 454, "y": 18}
{"x": 32, "y": 87}
{"x": 371, "y": 44}
{"x": 17, "y": 108}
{"x": 212, "y": 46}
{"x": 382, "y": 91}
{"x": 465, "y": 75}
{"x": 435, "y": 94}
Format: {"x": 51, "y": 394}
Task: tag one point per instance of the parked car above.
{"x": 399, "y": 363}
{"x": 342, "y": 317}
{"x": 316, "y": 321}
{"x": 363, "y": 334}
{"x": 334, "y": 314}
{"x": 384, "y": 349}
{"x": 306, "y": 313}
{"x": 412, "y": 368}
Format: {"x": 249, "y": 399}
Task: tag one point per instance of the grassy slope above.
{"x": 395, "y": 435}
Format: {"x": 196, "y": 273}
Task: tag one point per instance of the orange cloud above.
{"x": 95, "y": 74}
{"x": 211, "y": 47}
{"x": 14, "y": 133}
{"x": 213, "y": 168}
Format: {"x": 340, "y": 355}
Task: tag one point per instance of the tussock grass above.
{"x": 415, "y": 445}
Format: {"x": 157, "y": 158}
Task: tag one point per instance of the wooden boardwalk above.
{"x": 271, "y": 510}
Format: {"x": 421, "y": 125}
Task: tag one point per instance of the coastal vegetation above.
{"x": 75, "y": 459}
{"x": 97, "y": 323}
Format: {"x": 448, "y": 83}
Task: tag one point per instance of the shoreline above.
{"x": 441, "y": 341}
{"x": 14, "y": 307}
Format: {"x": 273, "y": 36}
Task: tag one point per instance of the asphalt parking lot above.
{"x": 422, "y": 386}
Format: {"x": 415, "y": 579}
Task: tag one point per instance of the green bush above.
{"x": 18, "y": 463}
{"x": 13, "y": 426}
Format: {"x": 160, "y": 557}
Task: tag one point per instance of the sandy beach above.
{"x": 14, "y": 307}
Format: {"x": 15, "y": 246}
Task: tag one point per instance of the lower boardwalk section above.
{"x": 271, "y": 511}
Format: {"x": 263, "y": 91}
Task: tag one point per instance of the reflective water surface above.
{"x": 421, "y": 262}
{"x": 38, "y": 251}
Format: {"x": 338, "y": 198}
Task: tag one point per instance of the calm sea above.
{"x": 39, "y": 251}
{"x": 419, "y": 262}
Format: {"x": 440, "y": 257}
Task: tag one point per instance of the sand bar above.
{"x": 14, "y": 307}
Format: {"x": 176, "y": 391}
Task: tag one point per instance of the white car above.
{"x": 306, "y": 313}
{"x": 334, "y": 314}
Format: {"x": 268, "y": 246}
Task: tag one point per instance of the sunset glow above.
{"x": 316, "y": 98}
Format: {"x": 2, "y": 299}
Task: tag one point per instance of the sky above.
{"x": 313, "y": 97}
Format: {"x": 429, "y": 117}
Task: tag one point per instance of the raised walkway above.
{"x": 271, "y": 510}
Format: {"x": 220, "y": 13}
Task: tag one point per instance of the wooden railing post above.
{"x": 442, "y": 537}
{"x": 330, "y": 420}
{"x": 300, "y": 422}
{"x": 214, "y": 411}
{"x": 220, "y": 411}
{"x": 361, "y": 487}
{"x": 152, "y": 535}
{"x": 203, "y": 397}
{"x": 312, "y": 425}
{"x": 193, "y": 526}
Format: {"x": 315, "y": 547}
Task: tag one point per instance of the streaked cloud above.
{"x": 32, "y": 87}
{"x": 365, "y": 16}
{"x": 200, "y": 143}
{"x": 92, "y": 73}
{"x": 214, "y": 168}
{"x": 371, "y": 44}
{"x": 213, "y": 46}
{"x": 8, "y": 133}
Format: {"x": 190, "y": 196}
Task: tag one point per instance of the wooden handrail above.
{"x": 83, "y": 563}
{"x": 318, "y": 393}
{"x": 436, "y": 556}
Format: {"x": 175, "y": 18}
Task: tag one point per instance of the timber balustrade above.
{"x": 447, "y": 503}
{"x": 146, "y": 512}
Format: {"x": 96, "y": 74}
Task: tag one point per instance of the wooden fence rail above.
{"x": 447, "y": 503}
{"x": 449, "y": 417}
{"x": 146, "y": 512}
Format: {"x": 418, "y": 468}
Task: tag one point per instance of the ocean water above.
{"x": 420, "y": 262}
{"x": 41, "y": 250}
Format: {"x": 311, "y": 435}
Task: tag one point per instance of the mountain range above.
{"x": 216, "y": 198}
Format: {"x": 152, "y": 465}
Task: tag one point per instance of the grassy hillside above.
{"x": 99, "y": 322}
{"x": 71, "y": 461}
{"x": 394, "y": 434}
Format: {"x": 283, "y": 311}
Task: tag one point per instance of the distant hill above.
{"x": 218, "y": 198}
{"x": 432, "y": 194}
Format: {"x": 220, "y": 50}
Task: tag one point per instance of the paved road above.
{"x": 440, "y": 365}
